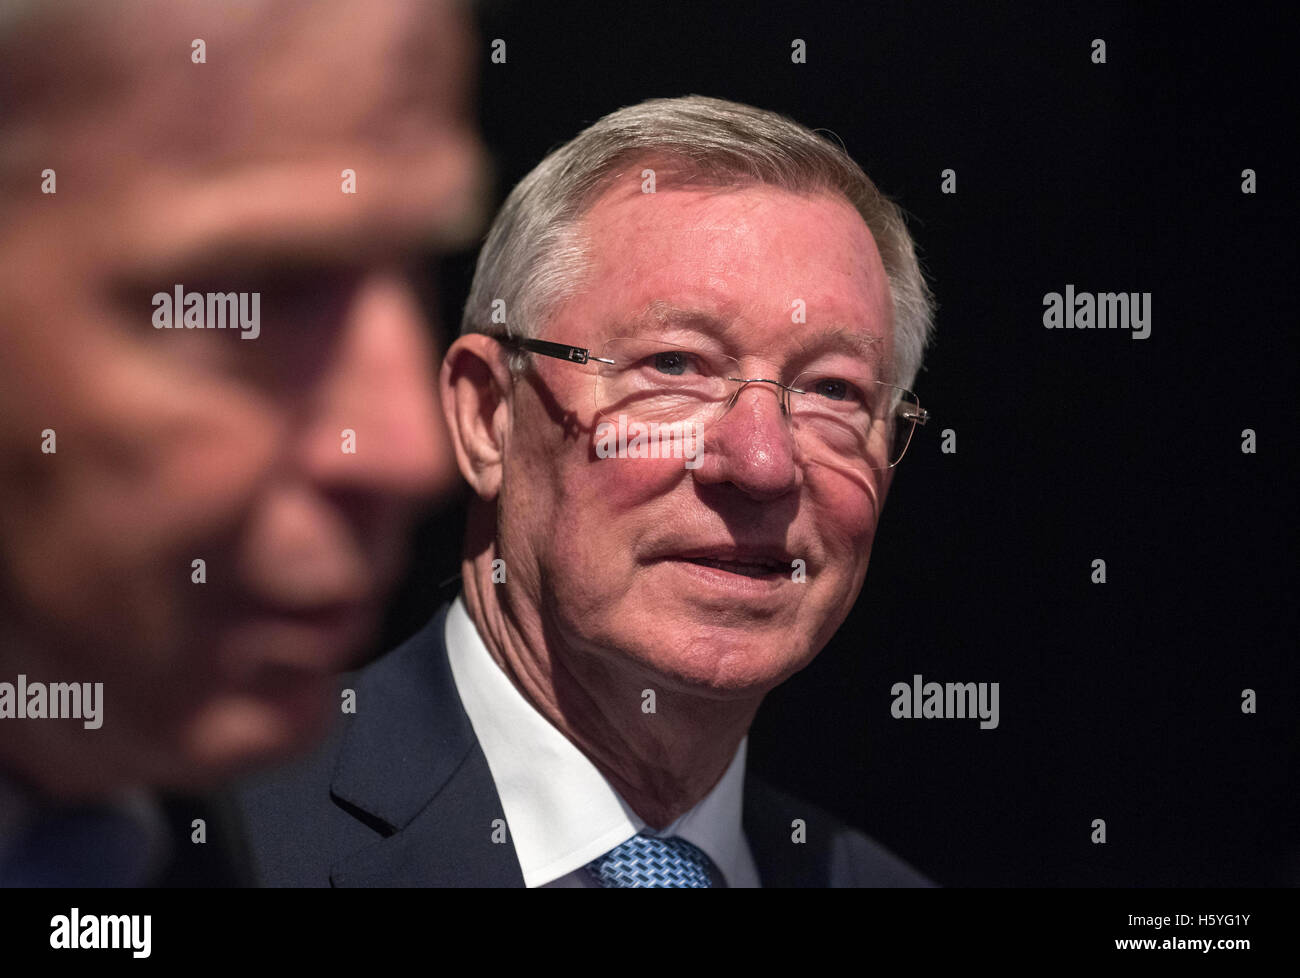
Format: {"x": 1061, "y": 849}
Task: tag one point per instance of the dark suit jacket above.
{"x": 87, "y": 859}
{"x": 401, "y": 795}
{"x": 222, "y": 861}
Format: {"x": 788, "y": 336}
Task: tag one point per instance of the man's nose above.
{"x": 751, "y": 445}
{"x": 375, "y": 425}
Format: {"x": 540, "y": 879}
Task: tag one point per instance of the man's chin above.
{"x": 723, "y": 665}
{"x": 235, "y": 734}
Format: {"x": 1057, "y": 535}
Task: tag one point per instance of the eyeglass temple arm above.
{"x": 560, "y": 351}
{"x": 918, "y": 415}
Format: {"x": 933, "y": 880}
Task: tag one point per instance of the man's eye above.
{"x": 672, "y": 362}
{"x": 837, "y": 390}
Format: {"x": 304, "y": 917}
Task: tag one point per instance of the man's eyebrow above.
{"x": 241, "y": 258}
{"x": 661, "y": 313}
{"x": 443, "y": 223}
{"x": 841, "y": 339}
{"x": 809, "y": 339}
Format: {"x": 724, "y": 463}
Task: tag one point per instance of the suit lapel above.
{"x": 410, "y": 766}
{"x": 449, "y": 843}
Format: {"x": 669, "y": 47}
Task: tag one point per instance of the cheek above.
{"x": 582, "y": 513}
{"x": 620, "y": 485}
{"x": 154, "y": 465}
{"x": 626, "y": 498}
{"x": 846, "y": 513}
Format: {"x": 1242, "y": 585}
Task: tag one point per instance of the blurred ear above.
{"x": 475, "y": 400}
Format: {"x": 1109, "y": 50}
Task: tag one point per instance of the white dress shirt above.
{"x": 560, "y": 810}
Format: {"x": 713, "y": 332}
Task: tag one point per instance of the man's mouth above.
{"x": 746, "y": 568}
{"x": 304, "y": 641}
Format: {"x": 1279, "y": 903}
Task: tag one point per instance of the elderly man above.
{"x": 678, "y": 395}
{"x": 198, "y": 522}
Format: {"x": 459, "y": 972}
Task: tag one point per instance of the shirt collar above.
{"x": 560, "y": 810}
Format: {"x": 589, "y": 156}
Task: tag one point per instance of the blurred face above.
{"x": 687, "y": 573}
{"x": 183, "y": 445}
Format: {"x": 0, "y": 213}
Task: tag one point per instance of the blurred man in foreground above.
{"x": 218, "y": 407}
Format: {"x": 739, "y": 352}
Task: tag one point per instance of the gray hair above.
{"x": 534, "y": 257}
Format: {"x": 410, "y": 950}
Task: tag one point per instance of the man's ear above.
{"x": 475, "y": 386}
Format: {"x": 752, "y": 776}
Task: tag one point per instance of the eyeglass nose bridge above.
{"x": 742, "y": 382}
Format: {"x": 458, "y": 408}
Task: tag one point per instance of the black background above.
{"x": 1118, "y": 701}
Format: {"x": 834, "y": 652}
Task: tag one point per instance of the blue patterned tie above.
{"x": 648, "y": 861}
